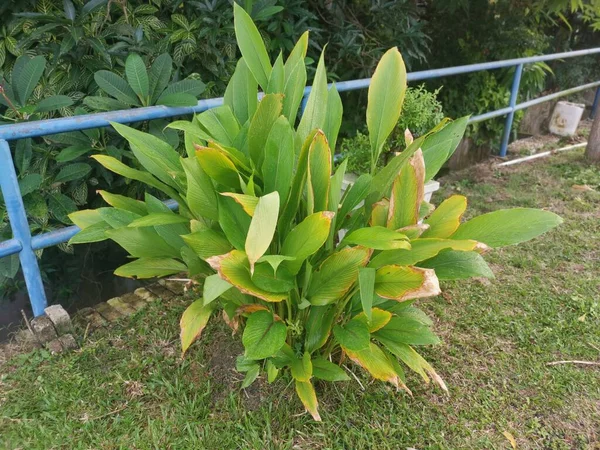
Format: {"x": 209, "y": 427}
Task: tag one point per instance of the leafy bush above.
{"x": 260, "y": 213}
{"x": 421, "y": 111}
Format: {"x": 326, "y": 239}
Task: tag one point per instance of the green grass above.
{"x": 128, "y": 387}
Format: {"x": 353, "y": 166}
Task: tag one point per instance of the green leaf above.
{"x": 306, "y": 238}
{"x": 137, "y": 77}
{"x": 274, "y": 260}
{"x": 356, "y": 194}
{"x": 126, "y": 203}
{"x": 28, "y": 77}
{"x": 318, "y": 326}
{"x": 9, "y": 266}
{"x": 23, "y": 153}
{"x": 408, "y": 192}
{"x": 235, "y": 268}
{"x": 220, "y": 124}
{"x": 30, "y": 183}
{"x": 251, "y": 376}
{"x": 272, "y": 371}
{"x": 378, "y": 238}
{"x": 353, "y": 336}
{"x": 251, "y": 46}
{"x": 333, "y": 117}
{"x": 116, "y": 217}
{"x": 439, "y": 146}
{"x": 319, "y": 172}
{"x": 214, "y": 286}
{"x": 104, "y": 103}
{"x": 201, "y": 196}
{"x": 276, "y": 79}
{"x": 295, "y": 79}
{"x": 188, "y": 86}
{"x": 455, "y": 265}
{"x": 379, "y": 318}
{"x": 266, "y": 278}
{"x": 325, "y": 370}
{"x": 508, "y": 226}
{"x": 445, "y": 219}
{"x": 158, "y": 219}
{"x": 207, "y": 243}
{"x": 142, "y": 243}
{"x": 278, "y": 165}
{"x": 177, "y": 99}
{"x": 302, "y": 368}
{"x": 159, "y": 76}
{"x": 150, "y": 268}
{"x": 71, "y": 153}
{"x": 407, "y": 331}
{"x": 193, "y": 321}
{"x": 385, "y": 98}
{"x": 86, "y": 218}
{"x": 72, "y": 172}
{"x": 53, "y": 103}
{"x": 315, "y": 112}
{"x": 218, "y": 166}
{"x": 61, "y": 206}
{"x": 234, "y": 222}
{"x": 337, "y": 274}
{"x": 92, "y": 233}
{"x": 404, "y": 283}
{"x": 116, "y": 87}
{"x": 262, "y": 227}
{"x": 241, "y": 93}
{"x": 263, "y": 335}
{"x": 269, "y": 110}
{"x": 306, "y": 394}
{"x": 375, "y": 361}
{"x": 366, "y": 283}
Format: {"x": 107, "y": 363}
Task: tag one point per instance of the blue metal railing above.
{"x": 25, "y": 245}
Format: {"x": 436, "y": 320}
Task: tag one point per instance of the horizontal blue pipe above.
{"x": 65, "y": 124}
{"x": 554, "y": 95}
{"x": 10, "y": 247}
{"x": 490, "y": 115}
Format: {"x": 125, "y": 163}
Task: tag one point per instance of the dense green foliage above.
{"x": 307, "y": 276}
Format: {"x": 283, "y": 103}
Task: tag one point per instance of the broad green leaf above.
{"x": 23, "y": 153}
{"x": 262, "y": 227}
{"x": 86, "y": 218}
{"x": 104, "y": 103}
{"x": 302, "y": 368}
{"x": 379, "y": 318}
{"x": 201, "y": 195}
{"x": 234, "y": 222}
{"x": 207, "y": 243}
{"x": 404, "y": 283}
{"x": 137, "y": 77}
{"x": 306, "y": 238}
{"x": 171, "y": 233}
{"x": 385, "y": 98}
{"x": 455, "y": 265}
{"x": 71, "y": 153}
{"x": 295, "y": 79}
{"x": 30, "y": 183}
{"x": 439, "y": 146}
{"x": 263, "y": 335}
{"x": 356, "y": 194}
{"x": 220, "y": 124}
{"x": 60, "y": 206}
{"x": 318, "y": 327}
{"x": 241, "y": 93}
{"x": 378, "y": 238}
{"x": 374, "y": 361}
{"x": 154, "y": 154}
{"x": 150, "y": 268}
{"x": 251, "y": 46}
{"x": 278, "y": 165}
{"x": 354, "y": 335}
{"x": 267, "y": 113}
{"x": 239, "y": 159}
{"x": 28, "y": 77}
{"x": 126, "y": 203}
{"x": 213, "y": 287}
{"x": 235, "y": 268}
{"x": 333, "y": 117}
{"x": 53, "y": 103}
{"x": 218, "y": 166}
{"x": 268, "y": 279}
{"x": 91, "y": 233}
{"x": 158, "y": 219}
{"x": 445, "y": 220}
{"x": 337, "y": 274}
{"x": 335, "y": 191}
{"x": 319, "y": 171}
{"x": 275, "y": 260}
{"x": 251, "y": 376}
{"x": 315, "y": 112}
{"x": 159, "y": 76}
{"x": 276, "y": 79}
{"x": 195, "y": 266}
{"x": 366, "y": 283}
{"x": 306, "y": 394}
{"x": 272, "y": 371}
{"x": 142, "y": 243}
{"x": 72, "y": 172}
{"x": 421, "y": 249}
{"x": 9, "y": 266}
{"x": 325, "y": 370}
{"x": 193, "y": 321}
{"x": 508, "y": 226}
{"x": 379, "y": 215}
{"x": 116, "y": 87}
{"x": 408, "y": 192}
{"x": 116, "y": 217}
{"x": 187, "y": 86}
{"x": 177, "y": 99}
{"x": 407, "y": 331}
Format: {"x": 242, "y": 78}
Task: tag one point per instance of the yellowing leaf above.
{"x": 248, "y": 202}
{"x": 408, "y": 192}
{"x": 306, "y": 393}
{"x": 302, "y": 368}
{"x": 193, "y": 321}
{"x": 218, "y": 166}
{"x": 235, "y": 268}
{"x": 374, "y": 361}
{"x": 379, "y": 213}
{"x": 262, "y": 227}
{"x": 378, "y": 238}
{"x": 511, "y": 439}
{"x": 379, "y": 319}
{"x": 446, "y": 218}
{"x": 404, "y": 283}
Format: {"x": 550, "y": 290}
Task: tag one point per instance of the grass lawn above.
{"x": 128, "y": 387}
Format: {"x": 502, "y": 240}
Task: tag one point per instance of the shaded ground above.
{"x": 128, "y": 387}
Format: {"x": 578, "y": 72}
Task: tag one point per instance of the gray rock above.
{"x": 54, "y": 346}
{"x": 68, "y": 342}
{"x": 60, "y": 318}
{"x": 44, "y": 329}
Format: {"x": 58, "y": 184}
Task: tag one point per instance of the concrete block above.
{"x": 123, "y": 308}
{"x": 160, "y": 291}
{"x": 54, "y": 346}
{"x": 44, "y": 329}
{"x": 145, "y": 294}
{"x": 134, "y": 301}
{"x": 91, "y": 317}
{"x": 68, "y": 342}
{"x": 107, "y": 312}
{"x": 60, "y": 318}
{"x": 177, "y": 287}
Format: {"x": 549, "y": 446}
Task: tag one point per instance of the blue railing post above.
{"x": 20, "y": 228}
{"x": 595, "y": 104}
{"x": 514, "y": 93}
